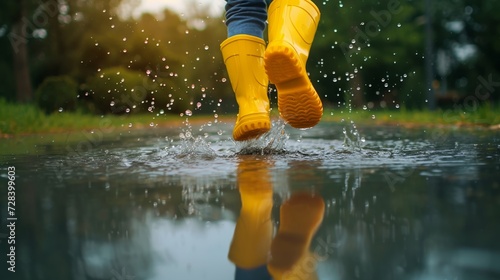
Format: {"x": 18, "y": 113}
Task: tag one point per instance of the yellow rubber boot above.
{"x": 243, "y": 56}
{"x": 254, "y": 229}
{"x": 300, "y": 218}
{"x": 292, "y": 26}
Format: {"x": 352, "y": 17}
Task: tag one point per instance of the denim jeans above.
{"x": 246, "y": 17}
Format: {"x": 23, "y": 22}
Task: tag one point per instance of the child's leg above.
{"x": 246, "y": 17}
{"x": 292, "y": 26}
{"x": 243, "y": 53}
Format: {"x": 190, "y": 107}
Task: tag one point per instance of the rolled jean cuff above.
{"x": 246, "y": 17}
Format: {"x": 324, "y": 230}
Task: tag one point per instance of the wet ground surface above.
{"x": 393, "y": 203}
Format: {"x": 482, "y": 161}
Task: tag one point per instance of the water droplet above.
{"x": 206, "y": 48}
{"x": 60, "y": 109}
{"x": 112, "y": 103}
{"x": 188, "y": 113}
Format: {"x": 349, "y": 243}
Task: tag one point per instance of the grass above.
{"x": 484, "y": 116}
{"x": 25, "y": 119}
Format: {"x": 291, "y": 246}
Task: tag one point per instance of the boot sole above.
{"x": 298, "y": 102}
{"x": 251, "y": 126}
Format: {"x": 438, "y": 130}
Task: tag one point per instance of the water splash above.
{"x": 352, "y": 138}
{"x": 272, "y": 142}
{"x": 195, "y": 146}
{"x": 191, "y": 145}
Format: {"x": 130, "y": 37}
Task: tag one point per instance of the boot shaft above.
{"x": 244, "y": 59}
{"x": 294, "y": 22}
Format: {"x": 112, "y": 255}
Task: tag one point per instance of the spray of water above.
{"x": 352, "y": 138}
{"x": 272, "y": 142}
{"x": 190, "y": 145}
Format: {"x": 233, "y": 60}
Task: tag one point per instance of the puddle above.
{"x": 164, "y": 204}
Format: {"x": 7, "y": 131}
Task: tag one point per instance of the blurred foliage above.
{"x": 56, "y": 93}
{"x": 372, "y": 52}
{"x": 178, "y": 55}
{"x": 366, "y": 53}
{"x": 118, "y": 90}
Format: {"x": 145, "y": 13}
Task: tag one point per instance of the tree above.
{"x": 466, "y": 31}
{"x": 367, "y": 51}
{"x": 20, "y": 26}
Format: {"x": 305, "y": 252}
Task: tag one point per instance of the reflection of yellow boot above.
{"x": 254, "y": 229}
{"x": 292, "y": 25}
{"x": 243, "y": 56}
{"x": 300, "y": 217}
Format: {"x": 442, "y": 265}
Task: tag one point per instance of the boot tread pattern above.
{"x": 298, "y": 102}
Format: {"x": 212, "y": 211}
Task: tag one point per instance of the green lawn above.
{"x": 21, "y": 119}
{"x": 485, "y": 116}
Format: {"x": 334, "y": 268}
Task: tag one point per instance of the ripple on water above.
{"x": 188, "y": 153}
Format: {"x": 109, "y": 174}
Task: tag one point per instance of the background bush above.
{"x": 170, "y": 97}
{"x": 57, "y": 92}
{"x": 118, "y": 90}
